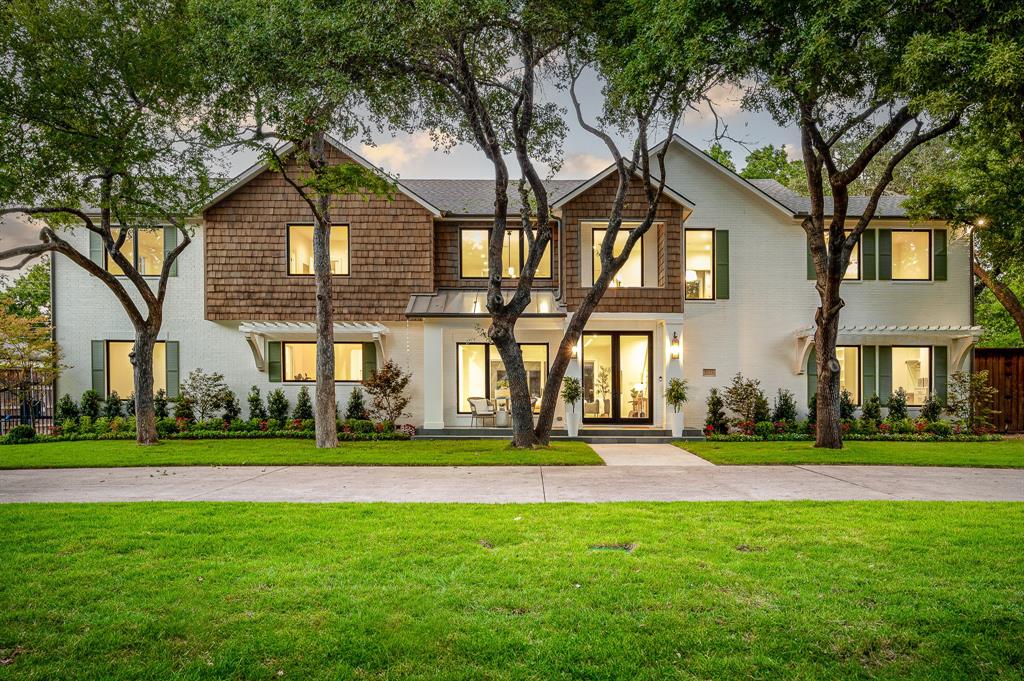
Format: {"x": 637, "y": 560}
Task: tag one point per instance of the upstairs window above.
{"x": 144, "y": 248}
{"x": 853, "y": 269}
{"x": 473, "y": 254}
{"x": 300, "y": 250}
{"x": 911, "y": 255}
{"x": 699, "y": 275}
{"x": 631, "y": 274}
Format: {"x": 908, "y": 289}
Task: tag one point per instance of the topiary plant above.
{"x": 113, "y": 406}
{"x": 356, "y": 406}
{"x": 675, "y": 394}
{"x": 277, "y": 405}
{"x": 66, "y": 409}
{"x": 232, "y": 409}
{"x": 716, "y": 420}
{"x": 90, "y": 404}
{"x": 785, "y": 406}
{"x": 897, "y": 406}
{"x": 572, "y": 392}
{"x": 872, "y": 409}
{"x": 256, "y": 408}
{"x": 160, "y": 403}
{"x": 846, "y": 406}
{"x": 303, "y": 405}
{"x": 931, "y": 410}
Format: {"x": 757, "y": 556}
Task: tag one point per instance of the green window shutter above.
{"x": 812, "y": 272}
{"x": 274, "y": 361}
{"x": 173, "y": 368}
{"x": 96, "y": 248}
{"x": 885, "y": 255}
{"x": 868, "y": 372}
{"x": 812, "y": 374}
{"x": 369, "y": 359}
{"x": 99, "y": 367}
{"x": 722, "y": 264}
{"x": 868, "y": 271}
{"x": 884, "y": 372}
{"x": 940, "y": 257}
{"x": 940, "y": 363}
{"x": 170, "y": 243}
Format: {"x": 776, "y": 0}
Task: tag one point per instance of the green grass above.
{"x": 1002, "y": 454}
{"x": 107, "y": 453}
{"x": 381, "y": 591}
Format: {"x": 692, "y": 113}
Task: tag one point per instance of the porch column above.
{"x": 673, "y": 365}
{"x": 433, "y": 376}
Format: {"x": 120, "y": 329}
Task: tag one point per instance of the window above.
{"x": 300, "y": 250}
{"x": 300, "y": 362}
{"x": 631, "y": 274}
{"x": 849, "y": 370}
{"x": 481, "y": 373}
{"x": 144, "y": 248}
{"x": 912, "y": 371}
{"x": 473, "y": 254}
{"x": 853, "y": 269}
{"x": 911, "y": 255}
{"x": 121, "y": 373}
{"x": 700, "y": 263}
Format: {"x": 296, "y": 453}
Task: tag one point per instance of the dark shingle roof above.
{"x": 476, "y": 197}
{"x": 889, "y": 206}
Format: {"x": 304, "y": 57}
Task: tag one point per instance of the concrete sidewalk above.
{"x": 647, "y": 455}
{"x": 505, "y": 484}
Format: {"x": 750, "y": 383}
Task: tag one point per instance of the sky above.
{"x": 414, "y": 156}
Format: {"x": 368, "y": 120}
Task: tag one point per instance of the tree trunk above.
{"x": 142, "y": 366}
{"x": 515, "y": 372}
{"x": 324, "y": 403}
{"x": 828, "y": 429}
{"x": 1004, "y": 294}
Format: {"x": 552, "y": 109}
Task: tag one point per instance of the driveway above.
{"x": 507, "y": 484}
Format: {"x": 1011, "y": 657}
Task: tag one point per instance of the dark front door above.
{"x": 617, "y": 368}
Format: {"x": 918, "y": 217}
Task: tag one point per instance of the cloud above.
{"x": 792, "y": 152}
{"x": 583, "y": 165}
{"x": 727, "y": 100}
{"x": 401, "y": 152}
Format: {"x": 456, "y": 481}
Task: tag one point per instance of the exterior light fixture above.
{"x": 673, "y": 347}
{"x": 576, "y": 349}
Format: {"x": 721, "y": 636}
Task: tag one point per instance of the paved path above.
{"x": 647, "y": 455}
{"x": 494, "y": 484}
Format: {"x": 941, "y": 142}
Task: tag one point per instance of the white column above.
{"x": 673, "y": 365}
{"x": 433, "y": 376}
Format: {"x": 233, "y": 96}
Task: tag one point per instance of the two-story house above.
{"x": 720, "y": 284}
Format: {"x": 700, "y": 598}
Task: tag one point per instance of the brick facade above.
{"x": 246, "y": 260}
{"x": 595, "y": 204}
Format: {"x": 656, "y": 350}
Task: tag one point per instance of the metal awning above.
{"x": 963, "y": 336}
{"x": 473, "y": 303}
{"x": 256, "y": 333}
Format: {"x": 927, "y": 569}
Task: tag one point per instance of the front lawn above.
{"x": 608, "y": 591}
{"x": 1002, "y": 454}
{"x": 107, "y": 453}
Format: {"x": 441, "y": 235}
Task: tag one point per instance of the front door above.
{"x": 617, "y": 368}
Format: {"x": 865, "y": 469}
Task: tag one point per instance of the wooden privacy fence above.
{"x": 1005, "y": 368}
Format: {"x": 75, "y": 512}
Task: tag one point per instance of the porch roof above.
{"x": 954, "y": 331}
{"x": 473, "y": 303}
{"x": 305, "y": 328}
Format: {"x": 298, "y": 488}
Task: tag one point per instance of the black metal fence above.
{"x": 32, "y": 402}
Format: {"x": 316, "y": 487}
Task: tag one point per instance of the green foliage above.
{"x": 745, "y": 398}
{"x": 1000, "y": 329}
{"x": 65, "y": 409}
{"x": 29, "y": 294}
{"x": 160, "y": 404}
{"x": 675, "y": 394}
{"x": 872, "y": 409}
{"x": 256, "y": 408}
{"x": 716, "y": 419}
{"x": 931, "y": 410}
{"x": 114, "y": 405}
{"x": 971, "y": 400}
{"x": 277, "y": 405}
{"x": 572, "y": 391}
{"x": 897, "y": 407}
{"x": 21, "y": 434}
{"x": 303, "y": 405}
{"x": 771, "y": 163}
{"x": 812, "y": 408}
{"x": 847, "y": 407}
{"x": 231, "y": 406}
{"x": 764, "y": 428}
{"x": 722, "y": 155}
{"x": 356, "y": 406}
{"x": 387, "y": 390}
{"x": 129, "y": 405}
{"x": 784, "y": 408}
{"x": 184, "y": 408}
{"x": 940, "y": 428}
{"x": 206, "y": 391}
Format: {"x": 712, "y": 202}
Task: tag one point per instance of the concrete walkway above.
{"x": 647, "y": 455}
{"x": 527, "y": 484}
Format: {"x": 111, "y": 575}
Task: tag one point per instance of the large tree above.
{"x": 291, "y": 73}
{"x": 478, "y": 68}
{"x": 98, "y": 129}
{"x": 894, "y": 78}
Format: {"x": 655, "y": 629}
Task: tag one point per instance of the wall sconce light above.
{"x": 673, "y": 347}
{"x": 576, "y": 349}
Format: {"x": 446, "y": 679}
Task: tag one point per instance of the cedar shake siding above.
{"x": 447, "y": 266}
{"x": 246, "y": 260}
{"x": 595, "y": 205}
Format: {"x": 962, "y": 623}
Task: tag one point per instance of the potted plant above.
{"x": 571, "y": 394}
{"x": 675, "y": 395}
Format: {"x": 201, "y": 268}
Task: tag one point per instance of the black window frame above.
{"x": 487, "y": 372}
{"x": 288, "y": 248}
{"x": 523, "y": 254}
{"x": 643, "y": 260}
{"x": 284, "y": 372}
{"x": 931, "y": 259}
{"x": 714, "y": 263}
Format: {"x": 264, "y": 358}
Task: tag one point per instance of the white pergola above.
{"x": 257, "y": 333}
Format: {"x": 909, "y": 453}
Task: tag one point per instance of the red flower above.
{"x": 885, "y": 427}
{"x": 709, "y": 429}
{"x": 263, "y": 424}
{"x": 297, "y": 424}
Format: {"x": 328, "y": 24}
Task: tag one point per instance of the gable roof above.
{"x": 889, "y": 206}
{"x": 476, "y": 197}
{"x": 258, "y": 168}
{"x": 584, "y": 185}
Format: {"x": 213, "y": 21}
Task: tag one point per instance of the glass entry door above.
{"x": 617, "y": 368}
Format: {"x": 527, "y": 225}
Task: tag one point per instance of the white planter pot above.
{"x": 572, "y": 423}
{"x": 676, "y": 421}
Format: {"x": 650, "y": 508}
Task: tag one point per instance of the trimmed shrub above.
{"x": 846, "y": 406}
{"x": 160, "y": 403}
{"x": 183, "y": 408}
{"x": 357, "y": 426}
{"x": 256, "y": 408}
{"x": 903, "y": 426}
{"x": 21, "y": 434}
{"x": 716, "y": 421}
{"x": 785, "y": 406}
{"x": 872, "y": 409}
{"x": 113, "y": 406}
{"x": 303, "y": 405}
{"x": 764, "y": 428}
{"x": 101, "y": 425}
{"x": 129, "y": 405}
{"x": 355, "y": 408}
{"x": 165, "y": 427}
{"x": 931, "y": 410}
{"x": 277, "y": 405}
{"x": 90, "y": 404}
{"x": 897, "y": 405}
{"x": 66, "y": 409}
{"x": 941, "y": 428}
{"x": 232, "y": 409}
